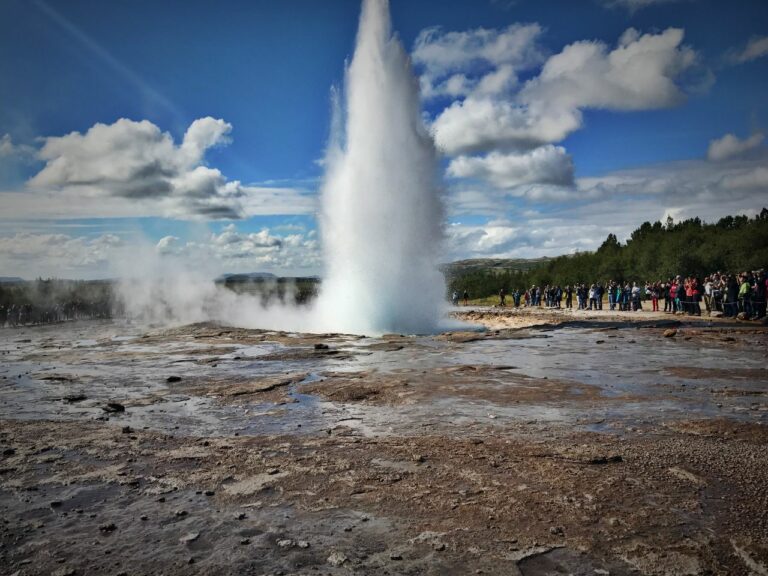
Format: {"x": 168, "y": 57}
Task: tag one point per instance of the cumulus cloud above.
{"x": 545, "y": 165}
{"x": 135, "y": 160}
{"x": 131, "y": 169}
{"x": 483, "y": 60}
{"x": 757, "y": 47}
{"x": 641, "y": 72}
{"x": 169, "y": 245}
{"x": 236, "y": 245}
{"x": 483, "y": 124}
{"x": 730, "y": 146}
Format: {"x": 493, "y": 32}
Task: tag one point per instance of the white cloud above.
{"x": 235, "y": 251}
{"x": 568, "y": 227}
{"x": 482, "y": 61}
{"x": 15, "y": 161}
{"x": 545, "y": 165}
{"x": 6, "y": 146}
{"x": 440, "y": 53}
{"x": 750, "y": 180}
{"x": 482, "y": 124}
{"x": 14, "y": 156}
{"x": 9, "y": 150}
{"x": 540, "y": 220}
{"x": 135, "y": 160}
{"x": 169, "y": 245}
{"x": 202, "y": 134}
{"x": 740, "y": 183}
{"x": 455, "y": 86}
{"x": 30, "y": 255}
{"x": 635, "y": 5}
{"x": 133, "y": 169}
{"x": 546, "y": 236}
{"x": 641, "y": 73}
{"x": 233, "y": 244}
{"x": 757, "y": 47}
{"x": 499, "y": 81}
{"x": 263, "y": 250}
{"x": 730, "y": 146}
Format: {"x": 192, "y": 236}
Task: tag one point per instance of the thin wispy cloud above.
{"x": 633, "y": 6}
{"x": 756, "y": 47}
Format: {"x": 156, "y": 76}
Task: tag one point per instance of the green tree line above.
{"x": 653, "y": 252}
{"x": 52, "y": 292}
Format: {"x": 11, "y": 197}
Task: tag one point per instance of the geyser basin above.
{"x": 265, "y": 437}
{"x": 382, "y": 211}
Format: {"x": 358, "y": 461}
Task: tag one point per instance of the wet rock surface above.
{"x": 531, "y": 451}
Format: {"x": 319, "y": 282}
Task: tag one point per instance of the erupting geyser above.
{"x": 382, "y": 212}
{"x": 381, "y": 218}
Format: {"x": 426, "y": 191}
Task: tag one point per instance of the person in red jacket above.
{"x": 694, "y": 306}
{"x": 673, "y": 296}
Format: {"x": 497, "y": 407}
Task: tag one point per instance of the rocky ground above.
{"x": 211, "y": 450}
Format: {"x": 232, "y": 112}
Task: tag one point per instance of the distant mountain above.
{"x": 493, "y": 264}
{"x": 10, "y": 279}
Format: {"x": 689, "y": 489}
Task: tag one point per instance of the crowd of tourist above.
{"x": 742, "y": 295}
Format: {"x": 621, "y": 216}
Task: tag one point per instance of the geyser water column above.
{"x": 382, "y": 212}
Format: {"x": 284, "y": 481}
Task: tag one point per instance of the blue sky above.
{"x": 594, "y": 143}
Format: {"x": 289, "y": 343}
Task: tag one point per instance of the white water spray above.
{"x": 382, "y": 212}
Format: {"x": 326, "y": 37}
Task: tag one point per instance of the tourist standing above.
{"x": 708, "y": 294}
{"x": 731, "y": 305}
{"x": 745, "y": 300}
